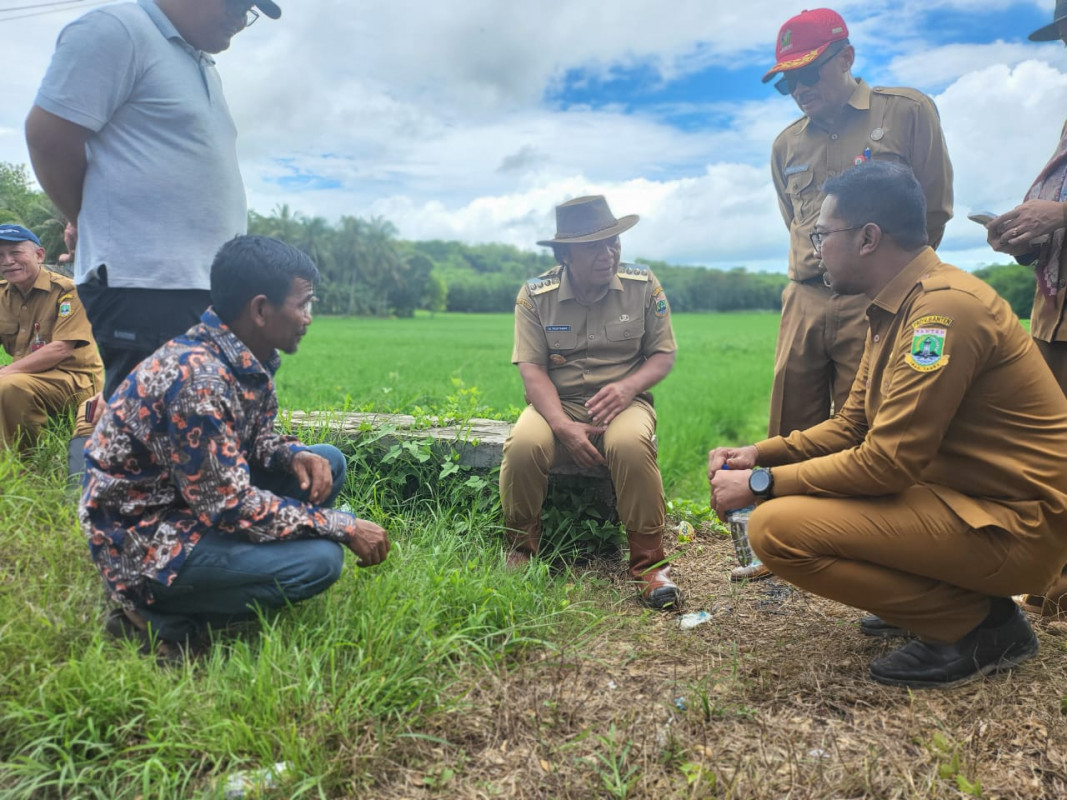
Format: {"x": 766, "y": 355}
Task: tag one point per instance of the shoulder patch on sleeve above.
{"x": 633, "y": 272}
{"x": 660, "y": 306}
{"x": 927, "y": 351}
{"x": 64, "y": 305}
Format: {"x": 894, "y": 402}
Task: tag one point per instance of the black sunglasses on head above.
{"x": 809, "y": 75}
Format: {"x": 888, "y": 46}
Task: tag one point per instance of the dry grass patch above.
{"x": 769, "y": 699}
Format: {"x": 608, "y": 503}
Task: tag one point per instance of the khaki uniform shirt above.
{"x": 53, "y": 304}
{"x": 951, "y": 394}
{"x": 900, "y": 125}
{"x": 587, "y": 347}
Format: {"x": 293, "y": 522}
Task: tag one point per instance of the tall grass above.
{"x": 325, "y": 686}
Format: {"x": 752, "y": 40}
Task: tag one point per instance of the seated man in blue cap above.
{"x": 196, "y": 510}
{"x": 55, "y": 364}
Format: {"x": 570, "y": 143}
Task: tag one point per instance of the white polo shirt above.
{"x": 163, "y": 190}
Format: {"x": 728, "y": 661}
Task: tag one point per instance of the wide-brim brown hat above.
{"x": 1051, "y": 33}
{"x": 587, "y": 219}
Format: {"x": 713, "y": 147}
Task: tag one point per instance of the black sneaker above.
{"x": 985, "y": 650}
{"x": 873, "y": 625}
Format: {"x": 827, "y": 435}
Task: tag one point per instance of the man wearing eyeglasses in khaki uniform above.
{"x": 845, "y": 122}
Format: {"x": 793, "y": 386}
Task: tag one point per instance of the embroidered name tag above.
{"x": 797, "y": 168}
{"x": 557, "y": 327}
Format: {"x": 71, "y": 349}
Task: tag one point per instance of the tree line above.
{"x": 367, "y": 271}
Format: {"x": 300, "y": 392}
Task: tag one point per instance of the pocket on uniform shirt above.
{"x": 622, "y": 331}
{"x": 802, "y": 194}
{"x": 9, "y": 328}
{"x": 561, "y": 340}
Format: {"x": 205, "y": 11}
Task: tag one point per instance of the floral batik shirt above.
{"x": 171, "y": 458}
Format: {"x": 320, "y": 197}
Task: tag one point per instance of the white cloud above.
{"x": 1002, "y": 125}
{"x": 433, "y": 115}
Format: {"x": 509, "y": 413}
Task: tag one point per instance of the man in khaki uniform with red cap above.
{"x": 845, "y": 122}
{"x": 592, "y": 336}
{"x": 44, "y": 329}
{"x": 938, "y": 491}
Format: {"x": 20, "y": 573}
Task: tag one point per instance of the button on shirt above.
{"x": 171, "y": 458}
{"x": 954, "y": 396}
{"x": 584, "y": 348}
{"x": 894, "y": 124}
{"x": 52, "y": 304}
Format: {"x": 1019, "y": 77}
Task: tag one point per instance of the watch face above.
{"x": 760, "y": 481}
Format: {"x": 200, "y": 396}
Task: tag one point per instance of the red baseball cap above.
{"x": 805, "y": 37}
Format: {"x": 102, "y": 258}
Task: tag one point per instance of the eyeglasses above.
{"x": 817, "y": 236}
{"x": 239, "y": 7}
{"x": 811, "y": 74}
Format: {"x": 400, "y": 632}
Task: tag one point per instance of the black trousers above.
{"x": 131, "y": 324}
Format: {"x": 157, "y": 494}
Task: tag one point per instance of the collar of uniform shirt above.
{"x": 894, "y": 293}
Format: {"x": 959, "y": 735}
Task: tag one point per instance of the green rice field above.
{"x": 717, "y": 394}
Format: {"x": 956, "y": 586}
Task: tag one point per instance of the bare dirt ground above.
{"x": 769, "y": 699}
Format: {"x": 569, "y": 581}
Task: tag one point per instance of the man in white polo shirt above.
{"x": 130, "y": 136}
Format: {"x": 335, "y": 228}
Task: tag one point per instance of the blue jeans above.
{"x": 226, "y": 576}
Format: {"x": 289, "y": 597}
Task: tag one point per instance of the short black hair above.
{"x": 885, "y": 193}
{"x": 250, "y": 265}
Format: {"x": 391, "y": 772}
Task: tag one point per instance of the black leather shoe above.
{"x": 873, "y": 625}
{"x": 985, "y": 650}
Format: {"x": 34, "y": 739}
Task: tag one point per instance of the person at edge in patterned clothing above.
{"x": 938, "y": 491}
{"x": 44, "y": 329}
{"x": 592, "y": 336}
{"x": 845, "y": 122}
{"x": 195, "y": 509}
{"x": 1033, "y": 233}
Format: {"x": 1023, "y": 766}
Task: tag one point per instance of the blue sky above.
{"x": 471, "y": 120}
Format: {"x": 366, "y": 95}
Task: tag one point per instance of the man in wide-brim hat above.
{"x": 592, "y": 336}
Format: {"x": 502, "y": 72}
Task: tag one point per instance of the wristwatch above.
{"x": 761, "y": 483}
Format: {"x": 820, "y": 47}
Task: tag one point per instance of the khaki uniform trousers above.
{"x": 627, "y": 444}
{"x": 906, "y": 558}
{"x": 27, "y": 400}
{"x": 1054, "y": 601}
{"x": 820, "y": 343}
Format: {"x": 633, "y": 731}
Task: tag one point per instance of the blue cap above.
{"x": 16, "y": 233}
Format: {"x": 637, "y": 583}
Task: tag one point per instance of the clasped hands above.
{"x": 603, "y": 407}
